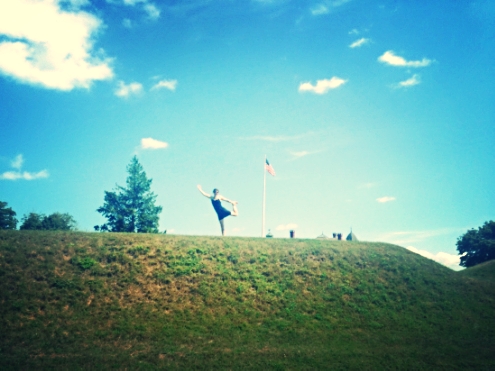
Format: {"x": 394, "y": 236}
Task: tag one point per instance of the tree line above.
{"x": 35, "y": 221}
{"x": 127, "y": 209}
{"x": 132, "y": 209}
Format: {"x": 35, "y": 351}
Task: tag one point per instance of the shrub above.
{"x": 83, "y": 263}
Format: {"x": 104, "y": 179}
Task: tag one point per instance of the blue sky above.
{"x": 376, "y": 115}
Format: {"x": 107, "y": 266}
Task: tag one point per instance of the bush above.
{"x": 84, "y": 263}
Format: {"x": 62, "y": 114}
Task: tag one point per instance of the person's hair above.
{"x": 216, "y": 191}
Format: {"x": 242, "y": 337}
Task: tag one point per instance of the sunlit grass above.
{"x": 89, "y": 300}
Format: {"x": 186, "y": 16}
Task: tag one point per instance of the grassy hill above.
{"x": 72, "y": 300}
{"x": 484, "y": 271}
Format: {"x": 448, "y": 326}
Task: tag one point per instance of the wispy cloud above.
{"x": 410, "y": 237}
{"x": 17, "y": 163}
{"x": 165, "y": 84}
{"x": 14, "y": 175}
{"x": 394, "y": 60}
{"x": 414, "y": 80}
{"x": 327, "y": 6}
{"x": 150, "y": 143}
{"x": 152, "y": 10}
{"x": 299, "y": 154}
{"x": 449, "y": 260}
{"x": 127, "y": 23}
{"x": 277, "y": 138}
{"x": 322, "y": 86}
{"x": 319, "y": 9}
{"x": 385, "y": 199}
{"x": 286, "y": 227}
{"x": 362, "y": 41}
{"x": 45, "y": 44}
{"x": 147, "y": 6}
{"x": 126, "y": 90}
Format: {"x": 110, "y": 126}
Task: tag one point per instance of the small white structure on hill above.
{"x": 322, "y": 237}
{"x": 351, "y": 237}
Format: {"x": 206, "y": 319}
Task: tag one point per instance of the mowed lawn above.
{"x": 74, "y": 300}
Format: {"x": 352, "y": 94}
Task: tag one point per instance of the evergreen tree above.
{"x": 477, "y": 246}
{"x": 7, "y": 217}
{"x": 131, "y": 209}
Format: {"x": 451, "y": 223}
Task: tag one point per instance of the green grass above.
{"x": 484, "y": 271}
{"x": 72, "y": 300}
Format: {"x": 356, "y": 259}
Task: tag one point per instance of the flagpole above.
{"x": 264, "y": 198}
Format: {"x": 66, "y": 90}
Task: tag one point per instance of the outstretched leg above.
{"x": 234, "y": 211}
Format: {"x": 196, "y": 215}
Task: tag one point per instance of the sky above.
{"x": 376, "y": 115}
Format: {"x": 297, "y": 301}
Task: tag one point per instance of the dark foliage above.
{"x": 53, "y": 222}
{"x": 7, "y": 217}
{"x": 477, "y": 245}
{"x": 32, "y": 221}
{"x": 131, "y": 209}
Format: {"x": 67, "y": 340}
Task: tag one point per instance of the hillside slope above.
{"x": 103, "y": 300}
{"x": 484, "y": 271}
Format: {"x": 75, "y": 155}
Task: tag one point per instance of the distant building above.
{"x": 322, "y": 237}
{"x": 351, "y": 237}
{"x": 269, "y": 235}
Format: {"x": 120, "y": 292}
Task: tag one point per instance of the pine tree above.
{"x": 131, "y": 209}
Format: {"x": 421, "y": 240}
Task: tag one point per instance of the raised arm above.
{"x": 203, "y": 192}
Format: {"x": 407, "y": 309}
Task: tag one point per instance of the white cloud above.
{"x": 150, "y": 143}
{"x": 322, "y": 86}
{"x": 414, "y": 80}
{"x": 353, "y": 32}
{"x": 17, "y": 162}
{"x": 125, "y": 91}
{"x": 14, "y": 175}
{"x": 385, "y": 199}
{"x": 286, "y": 227}
{"x": 327, "y": 6}
{"x": 394, "y": 60}
{"x": 300, "y": 154}
{"x": 319, "y": 10}
{"x": 449, "y": 260}
{"x": 360, "y": 42}
{"x": 165, "y": 84}
{"x": 45, "y": 45}
{"x": 150, "y": 8}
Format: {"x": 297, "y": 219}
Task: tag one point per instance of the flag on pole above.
{"x": 269, "y": 168}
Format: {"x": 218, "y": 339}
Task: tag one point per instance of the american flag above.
{"x": 269, "y": 168}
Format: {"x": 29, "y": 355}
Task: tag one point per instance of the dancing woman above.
{"x": 222, "y": 212}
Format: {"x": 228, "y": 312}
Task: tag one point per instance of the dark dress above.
{"x": 221, "y": 211}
